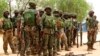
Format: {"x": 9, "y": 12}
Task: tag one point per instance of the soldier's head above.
{"x": 91, "y": 13}
{"x": 16, "y": 12}
{"x": 70, "y": 15}
{"x": 56, "y": 13}
{"x": 6, "y": 14}
{"x": 61, "y": 14}
{"x": 66, "y": 16}
{"x": 74, "y": 16}
{"x": 41, "y": 12}
{"x": 32, "y": 5}
{"x": 48, "y": 10}
{"x": 21, "y": 12}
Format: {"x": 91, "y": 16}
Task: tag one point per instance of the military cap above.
{"x": 47, "y": 8}
{"x": 6, "y": 13}
{"x": 41, "y": 11}
{"x": 16, "y": 11}
{"x": 31, "y": 4}
{"x": 90, "y": 12}
{"x": 55, "y": 11}
{"x": 65, "y": 15}
{"x": 74, "y": 15}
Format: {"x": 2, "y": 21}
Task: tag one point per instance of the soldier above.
{"x": 57, "y": 40}
{"x": 90, "y": 22}
{"x": 8, "y": 33}
{"x": 14, "y": 21}
{"x": 75, "y": 28}
{"x": 19, "y": 26}
{"x": 48, "y": 32}
{"x": 69, "y": 28}
{"x": 61, "y": 36}
{"x": 30, "y": 30}
{"x": 41, "y": 12}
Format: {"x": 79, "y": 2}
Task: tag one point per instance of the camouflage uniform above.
{"x": 91, "y": 32}
{"x": 8, "y": 35}
{"x": 40, "y": 50}
{"x": 30, "y": 32}
{"x": 57, "y": 39}
{"x": 59, "y": 27}
{"x": 48, "y": 34}
{"x": 14, "y": 21}
{"x": 19, "y": 40}
{"x": 75, "y": 30}
{"x": 69, "y": 31}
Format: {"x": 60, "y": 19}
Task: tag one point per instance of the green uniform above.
{"x": 7, "y": 36}
{"x": 30, "y": 30}
{"x": 69, "y": 31}
{"x": 75, "y": 30}
{"x": 91, "y": 31}
{"x": 48, "y": 36}
{"x": 14, "y": 22}
{"x": 60, "y": 31}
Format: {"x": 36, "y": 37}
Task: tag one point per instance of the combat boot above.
{"x": 92, "y": 47}
{"x": 13, "y": 52}
{"x": 89, "y": 48}
{"x": 6, "y": 53}
{"x": 74, "y": 43}
{"x": 67, "y": 49}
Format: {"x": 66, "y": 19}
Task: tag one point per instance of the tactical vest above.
{"x": 48, "y": 21}
{"x": 14, "y": 21}
{"x": 29, "y": 17}
{"x": 7, "y": 24}
{"x": 60, "y": 23}
{"x": 91, "y": 22}
{"x": 69, "y": 24}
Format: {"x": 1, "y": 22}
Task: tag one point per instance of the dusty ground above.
{"x": 80, "y": 50}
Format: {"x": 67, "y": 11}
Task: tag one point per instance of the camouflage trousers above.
{"x": 7, "y": 39}
{"x": 64, "y": 39}
{"x": 31, "y": 39}
{"x": 91, "y": 38}
{"x": 58, "y": 36}
{"x": 69, "y": 35}
{"x": 48, "y": 42}
{"x": 74, "y": 36}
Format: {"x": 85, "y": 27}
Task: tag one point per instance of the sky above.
{"x": 94, "y": 3}
{"x": 96, "y": 7}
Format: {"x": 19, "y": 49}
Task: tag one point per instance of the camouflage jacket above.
{"x": 91, "y": 23}
{"x": 7, "y": 24}
{"x": 48, "y": 24}
{"x": 69, "y": 24}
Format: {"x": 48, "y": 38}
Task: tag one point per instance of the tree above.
{"x": 3, "y": 6}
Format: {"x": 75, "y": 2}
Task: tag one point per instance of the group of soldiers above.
{"x": 43, "y": 31}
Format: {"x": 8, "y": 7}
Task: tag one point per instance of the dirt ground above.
{"x": 81, "y": 50}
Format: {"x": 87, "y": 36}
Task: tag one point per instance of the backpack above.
{"x": 29, "y": 17}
